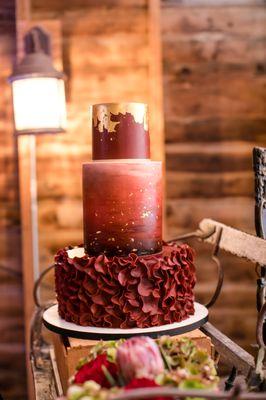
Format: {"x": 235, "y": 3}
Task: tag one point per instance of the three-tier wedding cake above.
{"x": 125, "y": 276}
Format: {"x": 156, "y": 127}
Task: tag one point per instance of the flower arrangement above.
{"x": 116, "y": 366}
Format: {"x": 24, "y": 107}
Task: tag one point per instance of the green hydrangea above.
{"x": 185, "y": 363}
{"x": 90, "y": 390}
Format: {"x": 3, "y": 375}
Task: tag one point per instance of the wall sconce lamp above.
{"x": 39, "y": 107}
{"x": 38, "y": 89}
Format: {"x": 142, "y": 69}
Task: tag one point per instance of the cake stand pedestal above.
{"x": 55, "y": 323}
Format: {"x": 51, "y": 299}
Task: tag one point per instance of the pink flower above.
{"x": 139, "y": 357}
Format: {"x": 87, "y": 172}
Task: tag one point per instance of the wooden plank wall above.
{"x": 214, "y": 103}
{"x": 215, "y": 99}
{"x": 11, "y": 293}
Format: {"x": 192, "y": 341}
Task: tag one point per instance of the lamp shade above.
{"x": 38, "y": 89}
{"x": 39, "y": 105}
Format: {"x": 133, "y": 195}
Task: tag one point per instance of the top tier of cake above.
{"x": 120, "y": 131}
{"x": 122, "y": 187}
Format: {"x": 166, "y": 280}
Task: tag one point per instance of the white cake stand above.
{"x": 55, "y": 323}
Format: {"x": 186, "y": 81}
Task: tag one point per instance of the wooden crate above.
{"x": 68, "y": 351}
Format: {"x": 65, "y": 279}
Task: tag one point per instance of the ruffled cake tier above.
{"x": 126, "y": 292}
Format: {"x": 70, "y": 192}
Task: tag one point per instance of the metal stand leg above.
{"x": 229, "y": 383}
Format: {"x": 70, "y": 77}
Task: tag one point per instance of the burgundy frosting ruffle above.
{"x": 125, "y": 292}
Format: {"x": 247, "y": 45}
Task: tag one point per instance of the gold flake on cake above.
{"x": 101, "y": 114}
{"x": 146, "y": 214}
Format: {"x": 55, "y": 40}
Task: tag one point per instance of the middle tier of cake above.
{"x": 122, "y": 207}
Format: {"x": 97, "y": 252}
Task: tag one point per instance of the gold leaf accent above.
{"x": 101, "y": 114}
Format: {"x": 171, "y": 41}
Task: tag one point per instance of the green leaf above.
{"x": 108, "y": 376}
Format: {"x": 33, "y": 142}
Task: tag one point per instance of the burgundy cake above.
{"x": 124, "y": 276}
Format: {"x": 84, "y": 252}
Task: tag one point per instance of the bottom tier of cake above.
{"x": 125, "y": 292}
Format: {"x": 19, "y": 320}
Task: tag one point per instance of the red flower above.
{"x": 144, "y": 383}
{"x": 93, "y": 371}
{"x": 141, "y": 383}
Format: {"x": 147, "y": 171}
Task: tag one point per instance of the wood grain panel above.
{"x": 54, "y": 239}
{"x": 207, "y": 274}
{"x": 59, "y": 6}
{"x": 239, "y": 323}
{"x": 216, "y": 96}
{"x": 105, "y": 52}
{"x": 100, "y": 86}
{"x": 231, "y": 19}
{"x": 207, "y": 184}
{"x": 193, "y": 128}
{"x": 224, "y": 157}
{"x": 242, "y": 294}
{"x": 186, "y": 213}
{"x": 216, "y": 48}
{"x": 104, "y": 21}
